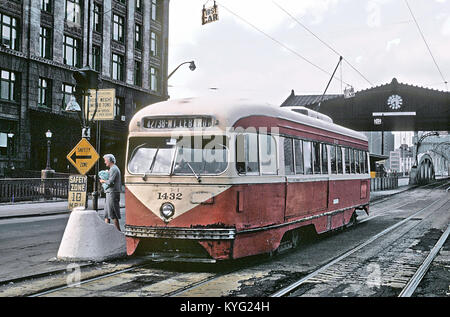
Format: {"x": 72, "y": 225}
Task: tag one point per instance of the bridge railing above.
{"x": 383, "y": 183}
{"x": 33, "y": 189}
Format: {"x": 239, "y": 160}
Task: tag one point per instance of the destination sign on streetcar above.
{"x": 177, "y": 122}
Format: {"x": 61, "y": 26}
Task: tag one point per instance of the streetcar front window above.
{"x": 205, "y": 156}
{"x": 150, "y": 155}
{"x": 182, "y": 156}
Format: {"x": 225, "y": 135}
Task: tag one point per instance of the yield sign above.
{"x": 83, "y": 156}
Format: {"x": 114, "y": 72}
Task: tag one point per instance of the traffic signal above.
{"x": 86, "y": 78}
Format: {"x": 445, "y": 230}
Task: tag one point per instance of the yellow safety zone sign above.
{"x": 83, "y": 156}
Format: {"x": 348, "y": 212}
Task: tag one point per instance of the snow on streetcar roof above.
{"x": 229, "y": 111}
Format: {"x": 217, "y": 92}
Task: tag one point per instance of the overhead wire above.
{"x": 322, "y": 41}
{"x": 426, "y": 44}
{"x": 279, "y": 43}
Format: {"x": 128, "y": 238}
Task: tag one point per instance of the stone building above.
{"x": 43, "y": 41}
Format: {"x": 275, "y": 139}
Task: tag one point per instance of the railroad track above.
{"x": 409, "y": 289}
{"x": 414, "y": 281}
{"x": 178, "y": 291}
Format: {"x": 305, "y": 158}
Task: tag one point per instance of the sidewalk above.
{"x": 374, "y": 196}
{"x": 37, "y": 208}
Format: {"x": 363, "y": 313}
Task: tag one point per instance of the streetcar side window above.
{"x": 307, "y": 157}
{"x": 333, "y": 160}
{"x": 362, "y": 160}
{"x": 348, "y": 165}
{"x": 288, "y": 157}
{"x": 352, "y": 161}
{"x": 324, "y": 159}
{"x": 268, "y": 154}
{"x": 339, "y": 160}
{"x": 299, "y": 157}
{"x": 247, "y": 154}
{"x": 316, "y": 157}
{"x": 357, "y": 169}
{"x": 366, "y": 158}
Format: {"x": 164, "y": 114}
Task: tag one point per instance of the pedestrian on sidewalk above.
{"x": 112, "y": 206}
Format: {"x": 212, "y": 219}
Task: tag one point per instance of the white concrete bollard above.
{"x": 89, "y": 238}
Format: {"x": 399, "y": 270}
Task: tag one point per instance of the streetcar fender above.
{"x": 132, "y": 244}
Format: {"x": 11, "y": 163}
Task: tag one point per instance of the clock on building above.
{"x": 395, "y": 102}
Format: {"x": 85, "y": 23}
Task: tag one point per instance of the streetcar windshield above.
{"x": 181, "y": 156}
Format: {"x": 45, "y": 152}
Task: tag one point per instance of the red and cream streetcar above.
{"x": 225, "y": 179}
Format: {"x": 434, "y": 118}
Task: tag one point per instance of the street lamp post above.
{"x": 48, "y": 135}
{"x": 47, "y": 172}
{"x": 192, "y": 67}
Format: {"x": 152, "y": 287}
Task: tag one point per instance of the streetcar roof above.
{"x": 229, "y": 111}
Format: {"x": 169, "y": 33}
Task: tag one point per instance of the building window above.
{"x": 45, "y": 42}
{"x": 117, "y": 67}
{"x": 139, "y": 5}
{"x": 138, "y": 36}
{"x": 7, "y": 144}
{"x": 118, "y": 27}
{"x": 96, "y": 58}
{"x": 154, "y": 74}
{"x": 9, "y": 32}
{"x": 45, "y": 93}
{"x": 73, "y": 11}
{"x": 137, "y": 105}
{"x": 123, "y": 1}
{"x": 119, "y": 107}
{"x": 154, "y": 11}
{"x": 98, "y": 18}
{"x": 67, "y": 91}
{"x": 138, "y": 73}
{"x": 153, "y": 44}
{"x": 72, "y": 51}
{"x": 46, "y": 5}
{"x": 8, "y": 86}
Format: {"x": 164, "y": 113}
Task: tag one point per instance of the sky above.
{"x": 260, "y": 49}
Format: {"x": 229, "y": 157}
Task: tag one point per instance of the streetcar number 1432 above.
{"x": 170, "y": 196}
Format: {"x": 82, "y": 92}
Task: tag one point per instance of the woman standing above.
{"x": 112, "y": 206}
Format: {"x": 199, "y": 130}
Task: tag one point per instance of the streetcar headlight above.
{"x": 167, "y": 210}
